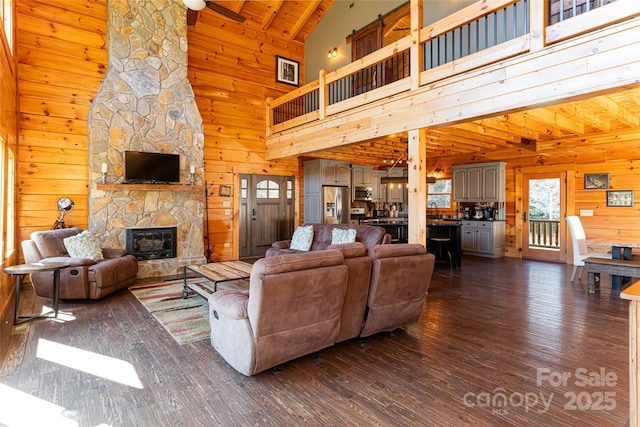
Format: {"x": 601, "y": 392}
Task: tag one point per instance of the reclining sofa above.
{"x": 84, "y": 278}
{"x": 299, "y": 303}
{"x": 368, "y": 235}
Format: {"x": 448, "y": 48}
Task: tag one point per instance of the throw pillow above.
{"x": 343, "y": 236}
{"x": 83, "y": 245}
{"x": 302, "y": 238}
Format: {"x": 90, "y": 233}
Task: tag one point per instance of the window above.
{"x": 6, "y": 15}
{"x": 10, "y": 245}
{"x": 244, "y": 184}
{"x": 268, "y": 189}
{"x": 439, "y": 193}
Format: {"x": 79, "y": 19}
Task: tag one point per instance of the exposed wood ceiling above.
{"x": 568, "y": 126}
{"x": 293, "y": 20}
{"x": 565, "y": 124}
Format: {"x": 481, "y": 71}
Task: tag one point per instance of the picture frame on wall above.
{"x": 287, "y": 71}
{"x": 596, "y": 181}
{"x": 620, "y": 198}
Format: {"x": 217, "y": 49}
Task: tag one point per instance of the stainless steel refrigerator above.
{"x": 335, "y": 205}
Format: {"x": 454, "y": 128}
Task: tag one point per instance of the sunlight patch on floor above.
{"x": 19, "y": 409}
{"x": 96, "y": 364}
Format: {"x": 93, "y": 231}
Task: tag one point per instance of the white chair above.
{"x": 579, "y": 242}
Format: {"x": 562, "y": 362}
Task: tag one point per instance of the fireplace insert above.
{"x": 152, "y": 243}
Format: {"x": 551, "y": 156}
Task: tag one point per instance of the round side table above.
{"x": 37, "y": 267}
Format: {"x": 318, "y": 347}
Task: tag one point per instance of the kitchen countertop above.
{"x": 405, "y": 221}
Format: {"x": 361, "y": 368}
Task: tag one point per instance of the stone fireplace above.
{"x": 146, "y": 103}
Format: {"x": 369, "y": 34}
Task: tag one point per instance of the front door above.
{"x": 543, "y": 216}
{"x": 266, "y": 212}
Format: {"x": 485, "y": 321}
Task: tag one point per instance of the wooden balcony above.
{"x": 491, "y": 58}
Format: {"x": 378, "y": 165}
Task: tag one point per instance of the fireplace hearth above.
{"x": 151, "y": 243}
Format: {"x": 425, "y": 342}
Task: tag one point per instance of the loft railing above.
{"x": 544, "y": 233}
{"x": 565, "y": 9}
{"x": 479, "y": 35}
{"x": 500, "y": 26}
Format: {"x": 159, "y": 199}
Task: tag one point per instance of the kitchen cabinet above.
{"x": 361, "y": 176}
{"x": 379, "y": 190}
{"x": 483, "y": 238}
{"x": 312, "y": 192}
{"x": 482, "y": 182}
{"x": 396, "y": 193}
{"x": 334, "y": 173}
{"x": 319, "y": 173}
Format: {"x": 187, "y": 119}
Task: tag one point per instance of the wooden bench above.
{"x": 616, "y": 267}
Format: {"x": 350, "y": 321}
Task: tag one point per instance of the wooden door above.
{"x": 266, "y": 212}
{"x": 543, "y": 224}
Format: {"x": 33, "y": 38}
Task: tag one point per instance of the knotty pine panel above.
{"x": 54, "y": 155}
{"x": 39, "y": 107}
{"x": 40, "y": 138}
{"x": 8, "y": 135}
{"x": 52, "y": 124}
{"x": 90, "y": 16}
{"x": 32, "y": 55}
{"x": 62, "y": 61}
{"x": 59, "y": 32}
{"x": 75, "y": 94}
{"x": 56, "y": 78}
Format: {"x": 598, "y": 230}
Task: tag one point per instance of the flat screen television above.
{"x": 151, "y": 167}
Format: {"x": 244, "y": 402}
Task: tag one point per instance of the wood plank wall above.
{"x": 62, "y": 56}
{"x": 232, "y": 71}
{"x": 615, "y": 154}
{"x": 8, "y": 135}
{"x": 62, "y": 60}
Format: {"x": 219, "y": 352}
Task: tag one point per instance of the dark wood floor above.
{"x": 487, "y": 331}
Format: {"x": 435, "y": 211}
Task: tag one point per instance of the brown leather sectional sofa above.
{"x": 299, "y": 303}
{"x": 368, "y": 235}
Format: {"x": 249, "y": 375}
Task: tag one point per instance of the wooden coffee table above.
{"x": 217, "y": 272}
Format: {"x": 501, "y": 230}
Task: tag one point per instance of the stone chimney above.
{"x": 146, "y": 103}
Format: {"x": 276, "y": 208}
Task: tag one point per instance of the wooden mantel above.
{"x": 149, "y": 187}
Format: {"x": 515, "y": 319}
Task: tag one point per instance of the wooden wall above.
{"x": 62, "y": 60}
{"x": 8, "y": 134}
{"x": 62, "y": 57}
{"x": 232, "y": 71}
{"x": 616, "y": 154}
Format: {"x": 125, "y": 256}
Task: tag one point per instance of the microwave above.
{"x": 363, "y": 193}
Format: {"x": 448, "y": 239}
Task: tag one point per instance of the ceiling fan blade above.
{"x": 225, "y": 12}
{"x": 192, "y": 17}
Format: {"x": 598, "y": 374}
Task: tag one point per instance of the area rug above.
{"x": 186, "y": 319}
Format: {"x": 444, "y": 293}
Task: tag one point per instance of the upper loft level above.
{"x": 491, "y": 58}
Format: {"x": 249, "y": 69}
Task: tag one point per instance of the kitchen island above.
{"x": 451, "y": 230}
{"x": 398, "y": 229}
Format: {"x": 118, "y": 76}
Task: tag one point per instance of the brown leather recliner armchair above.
{"x": 84, "y": 278}
{"x": 400, "y": 278}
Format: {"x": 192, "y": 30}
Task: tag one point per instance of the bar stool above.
{"x": 441, "y": 244}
